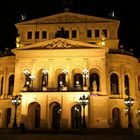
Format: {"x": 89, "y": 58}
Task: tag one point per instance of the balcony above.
{"x": 52, "y": 89}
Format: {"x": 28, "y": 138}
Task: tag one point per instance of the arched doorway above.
{"x": 34, "y": 115}
{"x": 116, "y": 117}
{"x": 56, "y": 115}
{"x": 7, "y": 117}
{"x": 76, "y": 116}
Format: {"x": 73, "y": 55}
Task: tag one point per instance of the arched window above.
{"x": 61, "y": 81}
{"x": 94, "y": 82}
{"x": 11, "y": 85}
{"x": 28, "y": 86}
{"x": 44, "y": 78}
{"x": 126, "y": 84}
{"x": 1, "y": 85}
{"x": 114, "y": 84}
{"x": 78, "y": 82}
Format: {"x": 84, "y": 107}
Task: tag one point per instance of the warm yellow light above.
{"x": 45, "y": 72}
{"x": 65, "y": 71}
{"x": 26, "y": 72}
{"x": 103, "y": 43}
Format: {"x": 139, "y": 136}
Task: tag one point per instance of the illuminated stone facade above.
{"x": 47, "y": 70}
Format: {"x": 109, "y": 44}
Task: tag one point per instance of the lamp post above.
{"x": 16, "y": 100}
{"x": 129, "y": 102}
{"x": 84, "y": 101}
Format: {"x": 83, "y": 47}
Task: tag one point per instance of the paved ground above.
{"x": 83, "y": 134}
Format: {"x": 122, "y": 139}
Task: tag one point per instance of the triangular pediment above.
{"x": 67, "y": 17}
{"x": 58, "y": 43}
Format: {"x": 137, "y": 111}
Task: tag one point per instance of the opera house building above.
{"x": 68, "y": 71}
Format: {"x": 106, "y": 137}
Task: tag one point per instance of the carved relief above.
{"x": 59, "y": 44}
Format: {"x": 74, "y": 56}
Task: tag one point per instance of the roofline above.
{"x": 78, "y": 14}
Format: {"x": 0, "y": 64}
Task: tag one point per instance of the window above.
{"x": 61, "y": 81}
{"x": 28, "y": 86}
{"x": 94, "y": 82}
{"x": 126, "y": 84}
{"x": 66, "y": 34}
{"x": 44, "y": 78}
{"x": 11, "y": 85}
{"x": 138, "y": 83}
{"x": 36, "y": 34}
{"x": 104, "y": 32}
{"x": 74, "y": 33}
{"x": 44, "y": 34}
{"x": 1, "y": 86}
{"x": 29, "y": 35}
{"x": 78, "y": 82}
{"x": 89, "y": 33}
{"x": 97, "y": 33}
{"x": 114, "y": 84}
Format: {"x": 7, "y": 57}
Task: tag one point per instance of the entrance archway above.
{"x": 76, "y": 116}
{"x": 56, "y": 115}
{"x": 7, "y": 117}
{"x": 34, "y": 115}
{"x": 116, "y": 117}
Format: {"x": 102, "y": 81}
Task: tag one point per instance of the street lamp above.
{"x": 129, "y": 102}
{"x": 84, "y": 101}
{"x": 16, "y": 100}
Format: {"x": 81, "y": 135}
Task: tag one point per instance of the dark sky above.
{"x": 127, "y": 13}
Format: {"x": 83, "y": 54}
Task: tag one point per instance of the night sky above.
{"x": 127, "y": 13}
